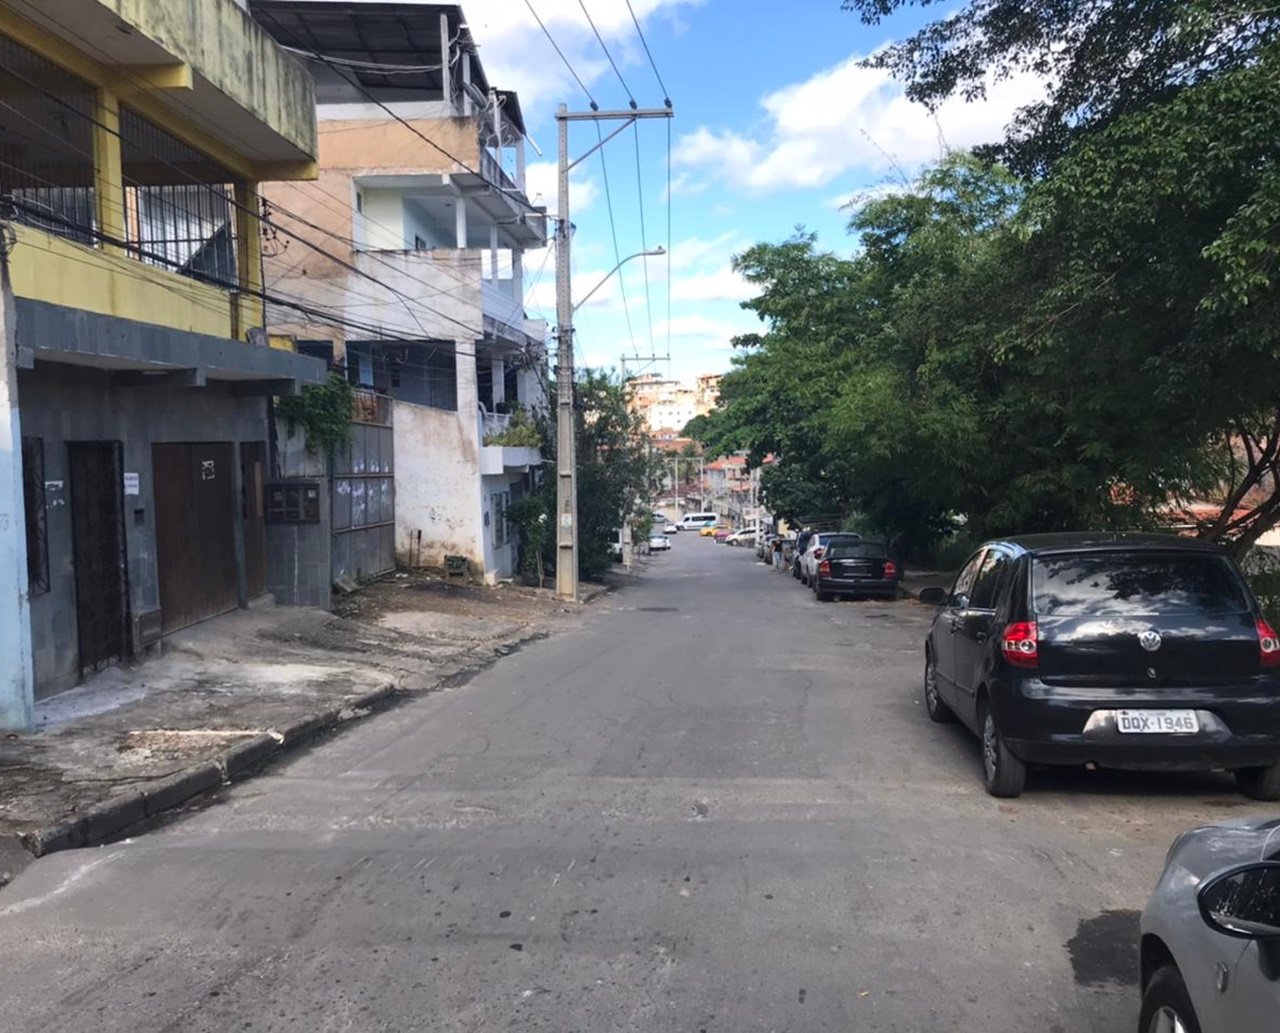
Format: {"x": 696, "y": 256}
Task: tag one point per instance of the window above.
{"x": 986, "y": 585}
{"x": 498, "y": 520}
{"x": 963, "y": 588}
{"x": 359, "y": 201}
{"x": 34, "y": 504}
{"x": 1144, "y": 584}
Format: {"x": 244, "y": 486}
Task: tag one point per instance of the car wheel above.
{"x": 819, "y": 594}
{"x": 938, "y": 711}
{"x": 1166, "y": 1005}
{"x": 1003, "y": 774}
{"x": 1260, "y": 783}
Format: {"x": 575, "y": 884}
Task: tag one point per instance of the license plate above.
{"x": 1163, "y": 722}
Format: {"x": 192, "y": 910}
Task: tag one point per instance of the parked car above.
{"x": 659, "y": 542}
{"x": 721, "y": 534}
{"x": 1210, "y": 934}
{"x": 670, "y": 527}
{"x": 855, "y": 569}
{"x": 1120, "y": 650}
{"x": 745, "y": 536}
{"x": 802, "y": 543}
{"x": 816, "y": 547}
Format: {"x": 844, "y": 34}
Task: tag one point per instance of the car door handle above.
{"x": 955, "y": 624}
{"x": 982, "y": 636}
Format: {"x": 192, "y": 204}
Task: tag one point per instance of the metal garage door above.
{"x": 363, "y": 495}
{"x": 195, "y": 531}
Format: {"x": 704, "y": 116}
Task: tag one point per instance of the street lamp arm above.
{"x": 651, "y": 253}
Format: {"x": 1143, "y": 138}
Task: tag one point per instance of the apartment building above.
{"x": 422, "y": 174}
{"x": 136, "y": 374}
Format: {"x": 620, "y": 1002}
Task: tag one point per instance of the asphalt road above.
{"x": 716, "y": 806}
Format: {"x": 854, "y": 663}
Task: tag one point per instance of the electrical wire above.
{"x": 572, "y": 71}
{"x": 613, "y": 64}
{"x": 644, "y": 243}
{"x": 613, "y": 230}
{"x": 666, "y": 96}
{"x": 668, "y": 255}
{"x": 223, "y": 196}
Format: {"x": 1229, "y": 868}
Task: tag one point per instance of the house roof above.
{"x": 405, "y": 39}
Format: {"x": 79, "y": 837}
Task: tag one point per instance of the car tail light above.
{"x": 1019, "y": 644}
{"x": 890, "y": 568}
{"x": 824, "y": 569}
{"x": 1268, "y": 645}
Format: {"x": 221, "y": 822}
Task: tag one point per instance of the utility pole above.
{"x": 566, "y": 445}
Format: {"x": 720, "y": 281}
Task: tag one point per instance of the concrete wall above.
{"x": 16, "y": 694}
{"x": 437, "y": 485}
{"x": 66, "y": 403}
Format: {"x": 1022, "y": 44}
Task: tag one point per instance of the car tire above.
{"x": 1003, "y": 774}
{"x": 937, "y": 710}
{"x": 1166, "y": 1005}
{"x": 819, "y": 594}
{"x": 1260, "y": 783}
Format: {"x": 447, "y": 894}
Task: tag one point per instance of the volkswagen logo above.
{"x": 1149, "y": 640}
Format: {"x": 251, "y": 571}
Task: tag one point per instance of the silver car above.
{"x": 1211, "y": 933}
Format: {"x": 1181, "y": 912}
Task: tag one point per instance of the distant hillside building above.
{"x": 667, "y": 405}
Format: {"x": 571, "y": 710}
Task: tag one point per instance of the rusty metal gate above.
{"x": 101, "y": 572}
{"x": 363, "y": 497}
{"x": 194, "y": 485}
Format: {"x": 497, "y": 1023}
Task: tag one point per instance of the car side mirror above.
{"x": 1244, "y": 902}
{"x": 933, "y": 596}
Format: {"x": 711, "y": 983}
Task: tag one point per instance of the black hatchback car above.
{"x": 1124, "y": 651}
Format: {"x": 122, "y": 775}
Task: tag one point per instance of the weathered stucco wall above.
{"x": 236, "y": 55}
{"x": 437, "y": 485}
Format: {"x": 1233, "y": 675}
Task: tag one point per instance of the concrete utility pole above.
{"x": 566, "y": 445}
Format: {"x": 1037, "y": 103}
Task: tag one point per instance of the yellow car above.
{"x": 709, "y": 532}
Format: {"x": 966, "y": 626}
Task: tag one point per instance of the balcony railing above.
{"x": 493, "y": 171}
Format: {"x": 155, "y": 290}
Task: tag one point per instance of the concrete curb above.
{"x": 109, "y": 817}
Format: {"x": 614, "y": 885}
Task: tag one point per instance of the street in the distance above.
{"x": 716, "y": 805}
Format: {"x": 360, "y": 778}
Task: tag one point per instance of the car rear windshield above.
{"x": 856, "y": 550}
{"x": 1135, "y": 584}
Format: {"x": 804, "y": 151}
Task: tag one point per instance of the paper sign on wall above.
{"x": 131, "y": 484}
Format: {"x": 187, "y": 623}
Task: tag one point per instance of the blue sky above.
{"x": 776, "y": 126}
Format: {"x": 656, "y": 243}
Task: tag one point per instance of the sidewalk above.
{"x": 227, "y": 694}
{"x": 915, "y": 580}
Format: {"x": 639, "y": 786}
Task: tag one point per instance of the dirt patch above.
{"x": 425, "y": 591}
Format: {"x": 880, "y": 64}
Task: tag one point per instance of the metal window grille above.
{"x": 46, "y": 144}
{"x": 179, "y": 205}
{"x": 35, "y": 506}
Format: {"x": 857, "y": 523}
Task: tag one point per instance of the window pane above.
{"x": 983, "y": 596}
{"x": 1132, "y": 584}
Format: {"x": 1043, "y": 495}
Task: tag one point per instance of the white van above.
{"x": 696, "y": 521}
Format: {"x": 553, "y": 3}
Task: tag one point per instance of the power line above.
{"x": 613, "y": 230}
{"x": 666, "y": 96}
{"x": 572, "y": 71}
{"x": 644, "y": 243}
{"x": 227, "y": 199}
{"x": 613, "y": 64}
{"x": 668, "y": 257}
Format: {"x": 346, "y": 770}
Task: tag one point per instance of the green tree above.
{"x": 616, "y": 479}
{"x": 1097, "y": 59}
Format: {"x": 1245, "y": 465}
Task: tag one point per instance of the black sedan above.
{"x": 855, "y": 568}
{"x": 1126, "y": 651}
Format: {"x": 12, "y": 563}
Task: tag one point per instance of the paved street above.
{"x": 715, "y": 806}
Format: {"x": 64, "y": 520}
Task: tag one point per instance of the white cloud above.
{"x": 844, "y": 119}
{"x": 542, "y": 188}
{"x": 517, "y": 56}
{"x": 722, "y": 285}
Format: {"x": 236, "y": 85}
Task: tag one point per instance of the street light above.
{"x": 651, "y": 253}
